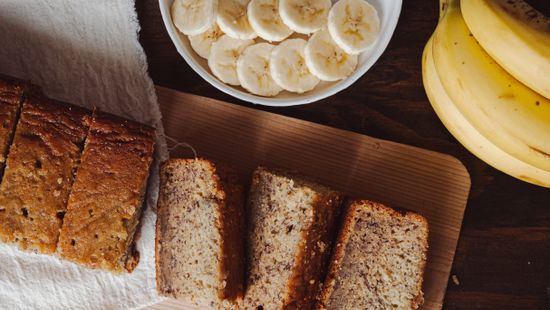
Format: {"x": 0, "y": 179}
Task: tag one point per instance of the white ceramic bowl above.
{"x": 388, "y": 11}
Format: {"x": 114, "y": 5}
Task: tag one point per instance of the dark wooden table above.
{"x": 503, "y": 256}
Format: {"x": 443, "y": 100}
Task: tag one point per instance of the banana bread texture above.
{"x": 379, "y": 260}
{"x": 40, "y": 171}
{"x": 200, "y": 233}
{"x": 292, "y": 223}
{"x": 12, "y": 93}
{"x": 106, "y": 199}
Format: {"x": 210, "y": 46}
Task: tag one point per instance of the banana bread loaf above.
{"x": 378, "y": 262}
{"x": 200, "y": 228}
{"x": 39, "y": 172}
{"x": 106, "y": 199}
{"x": 291, "y": 227}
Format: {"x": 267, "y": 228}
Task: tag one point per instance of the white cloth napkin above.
{"x": 85, "y": 52}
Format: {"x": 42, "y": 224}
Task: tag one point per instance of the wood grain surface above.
{"x": 503, "y": 255}
{"x": 432, "y": 184}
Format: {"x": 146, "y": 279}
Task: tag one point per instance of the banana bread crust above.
{"x": 106, "y": 200}
{"x": 232, "y": 230}
{"x": 12, "y": 93}
{"x": 39, "y": 172}
{"x": 337, "y": 257}
{"x": 305, "y": 282}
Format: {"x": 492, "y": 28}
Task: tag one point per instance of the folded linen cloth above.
{"x": 87, "y": 53}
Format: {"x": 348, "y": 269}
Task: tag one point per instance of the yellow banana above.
{"x": 464, "y": 132}
{"x": 516, "y": 36}
{"x": 502, "y": 109}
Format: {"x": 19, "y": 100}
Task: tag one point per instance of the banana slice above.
{"x": 192, "y": 17}
{"x": 202, "y": 42}
{"x": 304, "y": 16}
{"x": 233, "y": 19}
{"x": 253, "y": 70}
{"x": 223, "y": 58}
{"x": 288, "y": 67}
{"x": 326, "y": 60}
{"x": 354, "y": 25}
{"x": 264, "y": 18}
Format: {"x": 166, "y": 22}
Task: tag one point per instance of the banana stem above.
{"x": 445, "y": 4}
{"x": 442, "y": 7}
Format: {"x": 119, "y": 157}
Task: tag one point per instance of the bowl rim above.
{"x": 379, "y": 48}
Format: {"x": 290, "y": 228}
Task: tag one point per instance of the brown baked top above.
{"x": 39, "y": 172}
{"x": 11, "y": 90}
{"x": 106, "y": 199}
{"x": 11, "y": 97}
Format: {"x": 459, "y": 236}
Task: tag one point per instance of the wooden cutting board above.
{"x": 432, "y": 184}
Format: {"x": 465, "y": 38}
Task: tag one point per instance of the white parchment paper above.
{"x": 85, "y": 52}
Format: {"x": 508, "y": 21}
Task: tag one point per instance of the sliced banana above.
{"x": 202, "y": 42}
{"x": 326, "y": 60}
{"x": 253, "y": 70}
{"x": 223, "y": 58}
{"x": 264, "y": 18}
{"x": 354, "y": 25}
{"x": 288, "y": 67}
{"x": 304, "y": 16}
{"x": 192, "y": 17}
{"x": 233, "y": 19}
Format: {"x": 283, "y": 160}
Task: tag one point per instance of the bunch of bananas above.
{"x": 486, "y": 70}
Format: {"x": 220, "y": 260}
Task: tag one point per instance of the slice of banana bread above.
{"x": 39, "y": 172}
{"x": 291, "y": 227}
{"x": 200, "y": 233}
{"x": 106, "y": 199}
{"x": 12, "y": 92}
{"x": 379, "y": 260}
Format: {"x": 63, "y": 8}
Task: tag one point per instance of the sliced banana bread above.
{"x": 291, "y": 227}
{"x": 200, "y": 233}
{"x": 106, "y": 199}
{"x": 378, "y": 262}
{"x": 39, "y": 172}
